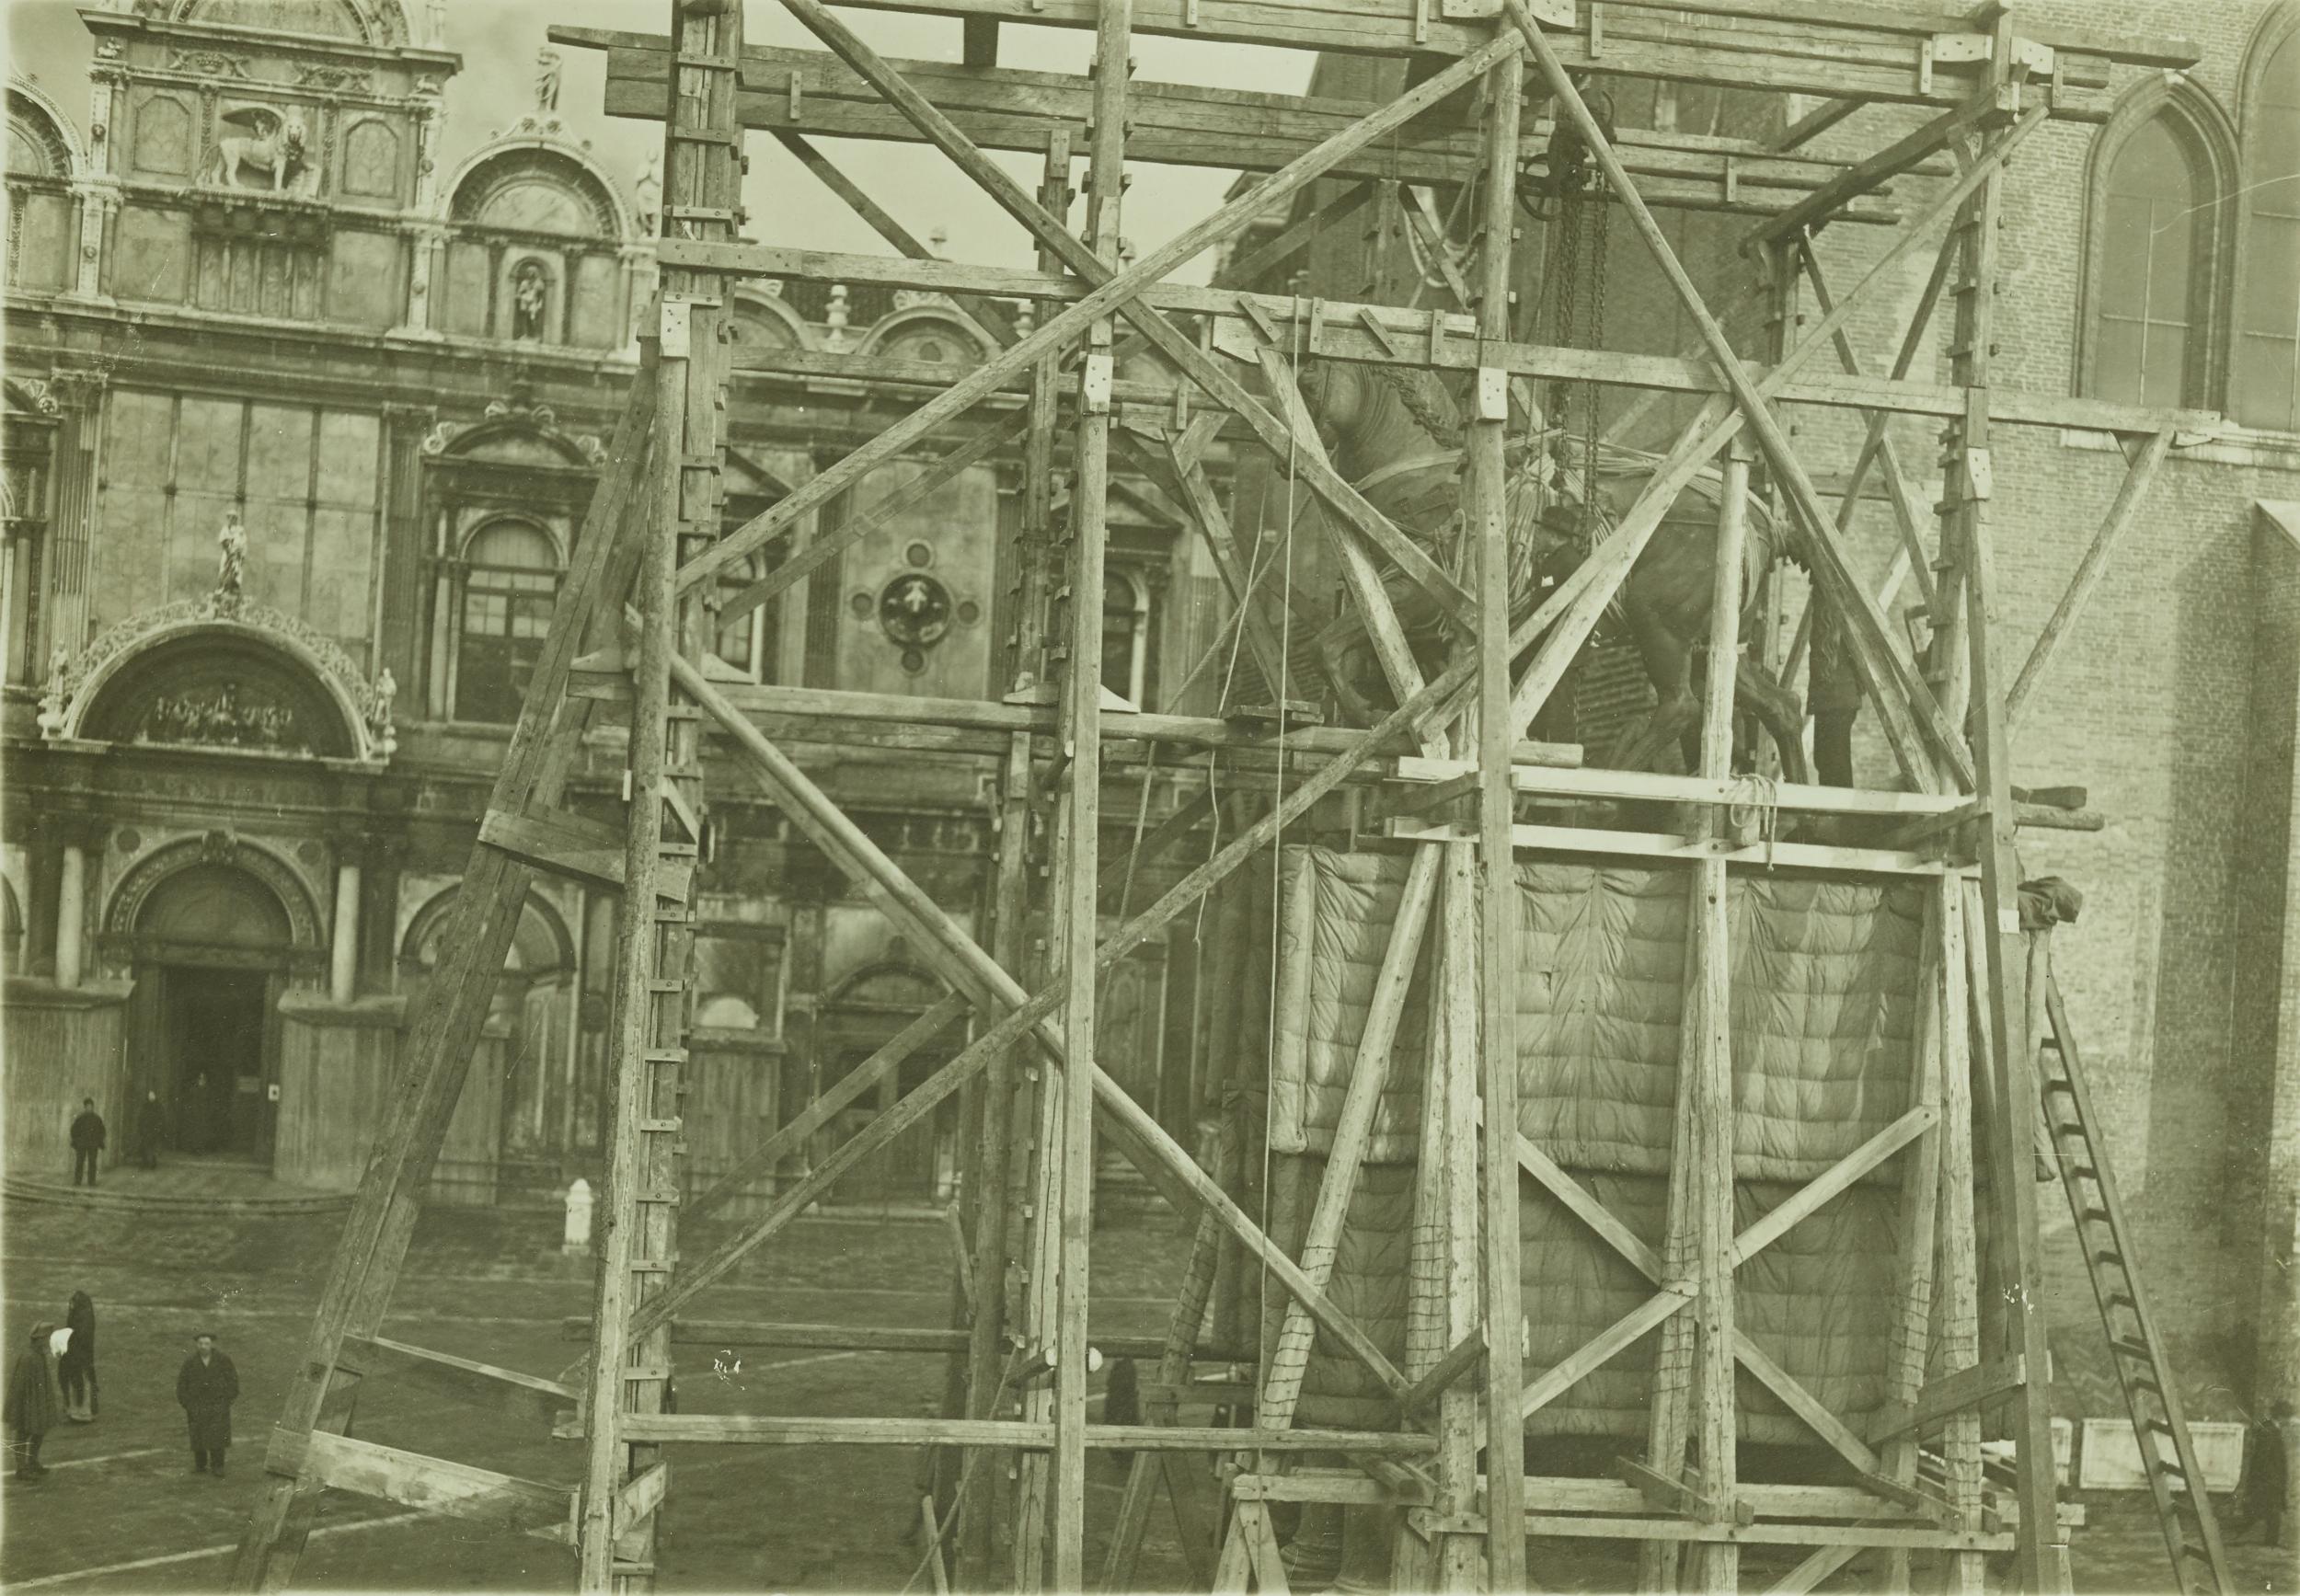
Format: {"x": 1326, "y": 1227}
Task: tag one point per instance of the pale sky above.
{"x": 497, "y": 40}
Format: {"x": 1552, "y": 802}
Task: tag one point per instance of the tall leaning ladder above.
{"x": 2167, "y": 1455}
{"x": 628, "y": 1374}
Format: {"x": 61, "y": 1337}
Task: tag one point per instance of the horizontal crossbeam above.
{"x": 456, "y": 1489}
{"x": 801, "y": 92}
{"x": 1441, "y": 339}
{"x": 753, "y": 1430}
{"x": 1816, "y": 47}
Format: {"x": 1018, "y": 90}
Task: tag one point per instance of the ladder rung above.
{"x": 2060, "y": 1083}
{"x": 2129, "y": 1346}
{"x": 661, "y": 1127}
{"x": 665, "y": 1055}
{"x": 646, "y": 1371}
{"x": 661, "y": 1199}
{"x": 657, "y": 984}
{"x": 653, "y": 1266}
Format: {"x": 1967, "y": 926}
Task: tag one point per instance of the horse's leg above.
{"x": 1668, "y": 660}
{"x": 1833, "y": 694}
{"x": 1758, "y": 691}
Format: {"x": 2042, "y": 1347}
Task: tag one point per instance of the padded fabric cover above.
{"x": 1823, "y": 983}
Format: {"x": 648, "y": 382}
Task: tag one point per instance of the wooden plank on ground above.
{"x": 459, "y": 1490}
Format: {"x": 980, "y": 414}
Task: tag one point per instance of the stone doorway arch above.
{"x": 214, "y": 934}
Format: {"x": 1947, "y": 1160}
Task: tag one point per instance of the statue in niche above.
{"x": 647, "y": 193}
{"x": 231, "y": 565}
{"x": 547, "y": 81}
{"x": 379, "y": 702}
{"x": 273, "y": 144}
{"x": 531, "y": 293}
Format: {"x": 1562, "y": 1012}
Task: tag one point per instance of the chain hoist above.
{"x": 1573, "y": 285}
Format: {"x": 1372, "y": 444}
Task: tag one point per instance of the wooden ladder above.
{"x": 2167, "y": 1455}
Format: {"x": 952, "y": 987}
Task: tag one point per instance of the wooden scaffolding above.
{"x": 632, "y": 641}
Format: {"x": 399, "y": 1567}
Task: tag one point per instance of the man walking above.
{"x": 88, "y": 1141}
{"x": 205, "y": 1389}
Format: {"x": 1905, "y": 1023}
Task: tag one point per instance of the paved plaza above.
{"x": 122, "y": 1512}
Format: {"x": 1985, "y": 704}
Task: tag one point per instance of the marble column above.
{"x": 71, "y": 915}
{"x": 343, "y": 968}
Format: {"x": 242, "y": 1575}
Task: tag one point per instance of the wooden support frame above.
{"x": 1466, "y": 721}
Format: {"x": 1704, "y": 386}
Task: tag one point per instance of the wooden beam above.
{"x": 1600, "y": 1350}
{"x": 1667, "y": 846}
{"x": 1810, "y": 1197}
{"x": 753, "y": 1430}
{"x": 1468, "y": 1354}
{"x": 806, "y": 92}
{"x": 1369, "y": 1072}
{"x": 523, "y": 1395}
{"x": 568, "y": 845}
{"x": 1768, "y": 49}
{"x": 2089, "y": 570}
{"x": 864, "y": 1077}
{"x": 1486, "y": 520}
{"x": 455, "y": 1489}
{"x": 1815, "y": 122}
{"x": 1863, "y": 175}
{"x": 1947, "y": 1393}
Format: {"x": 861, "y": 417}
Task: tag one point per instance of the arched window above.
{"x": 2159, "y": 244}
{"x": 2264, "y": 388}
{"x": 1126, "y": 636}
{"x": 2145, "y": 349}
{"x": 510, "y": 578}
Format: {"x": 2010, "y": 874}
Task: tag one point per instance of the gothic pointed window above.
{"x": 2264, "y": 385}
{"x": 511, "y": 578}
{"x": 2148, "y": 277}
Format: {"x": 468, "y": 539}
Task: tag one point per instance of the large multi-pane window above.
{"x": 511, "y": 577}
{"x": 2147, "y": 344}
{"x": 2264, "y": 385}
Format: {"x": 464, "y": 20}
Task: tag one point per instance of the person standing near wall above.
{"x": 88, "y": 1141}
{"x": 2267, "y": 1478}
{"x": 76, "y": 1369}
{"x": 150, "y": 1125}
{"x": 206, "y": 1387}
{"x": 30, "y": 1410}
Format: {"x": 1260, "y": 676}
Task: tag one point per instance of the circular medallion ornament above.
{"x": 915, "y": 610}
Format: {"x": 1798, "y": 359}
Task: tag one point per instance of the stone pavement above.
{"x": 179, "y": 1184}
{"x": 123, "y": 1512}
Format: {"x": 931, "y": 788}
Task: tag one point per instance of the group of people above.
{"x": 90, "y": 1136}
{"x": 53, "y": 1381}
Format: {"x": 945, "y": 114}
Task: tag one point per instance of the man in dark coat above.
{"x": 2266, "y": 1479}
{"x": 205, "y": 1389}
{"x": 30, "y": 1410}
{"x": 88, "y": 1141}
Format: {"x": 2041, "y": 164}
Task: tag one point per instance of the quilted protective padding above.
{"x": 1823, "y": 982}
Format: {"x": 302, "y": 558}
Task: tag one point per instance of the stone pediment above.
{"x": 220, "y": 672}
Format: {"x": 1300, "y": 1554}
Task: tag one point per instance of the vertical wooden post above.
{"x": 1452, "y": 1081}
{"x": 1706, "y": 1050}
{"x": 654, "y": 942}
{"x": 1960, "y": 1257}
{"x": 1920, "y": 1200}
{"x": 1003, "y": 1108}
{"x": 1487, "y": 525}
{"x": 1082, "y": 817}
{"x": 1968, "y": 481}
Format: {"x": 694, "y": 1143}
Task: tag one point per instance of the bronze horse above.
{"x": 1393, "y": 434}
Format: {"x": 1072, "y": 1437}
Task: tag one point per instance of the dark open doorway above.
{"x": 213, "y": 1022}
